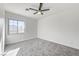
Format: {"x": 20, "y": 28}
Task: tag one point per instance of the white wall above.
{"x": 30, "y": 29}
{"x": 62, "y": 28}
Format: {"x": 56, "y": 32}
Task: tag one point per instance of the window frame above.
{"x": 17, "y": 26}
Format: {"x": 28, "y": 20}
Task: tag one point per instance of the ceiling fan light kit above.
{"x": 39, "y": 13}
{"x": 39, "y": 10}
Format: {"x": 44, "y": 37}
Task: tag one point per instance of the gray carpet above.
{"x": 39, "y": 47}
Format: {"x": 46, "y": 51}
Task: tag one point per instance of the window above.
{"x": 16, "y": 26}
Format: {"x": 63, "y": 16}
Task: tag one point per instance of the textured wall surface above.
{"x": 39, "y": 47}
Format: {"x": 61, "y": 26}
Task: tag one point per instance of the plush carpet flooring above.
{"x": 39, "y": 47}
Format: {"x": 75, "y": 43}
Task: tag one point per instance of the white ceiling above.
{"x": 19, "y": 8}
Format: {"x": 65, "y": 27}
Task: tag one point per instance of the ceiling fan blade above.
{"x": 33, "y": 9}
{"x": 45, "y": 10}
{"x": 35, "y": 12}
{"x": 40, "y": 6}
{"x": 27, "y": 9}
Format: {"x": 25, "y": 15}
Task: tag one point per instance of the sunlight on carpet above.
{"x": 13, "y": 52}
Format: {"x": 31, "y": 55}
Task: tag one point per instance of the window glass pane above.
{"x": 15, "y": 22}
{"x": 15, "y": 26}
{"x": 11, "y": 29}
{"x": 12, "y": 26}
{"x": 11, "y": 22}
{"x": 20, "y": 26}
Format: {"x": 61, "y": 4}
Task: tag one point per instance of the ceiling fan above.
{"x": 39, "y": 10}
